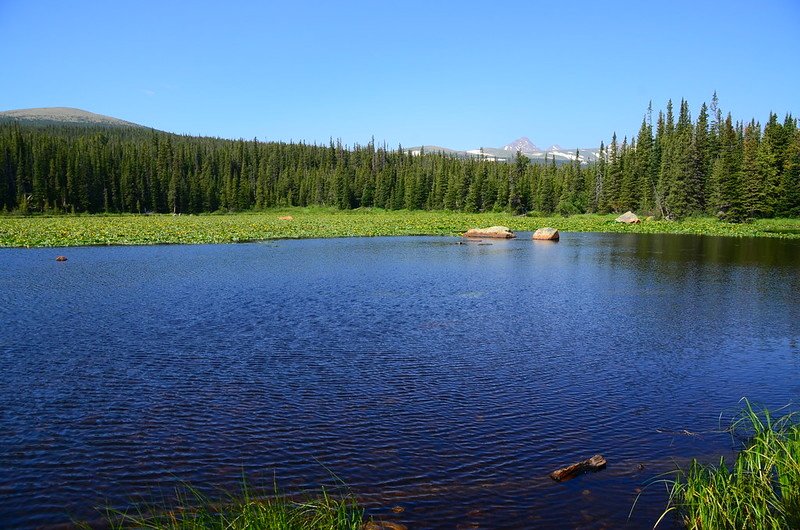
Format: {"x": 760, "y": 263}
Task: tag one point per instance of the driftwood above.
{"x": 596, "y": 463}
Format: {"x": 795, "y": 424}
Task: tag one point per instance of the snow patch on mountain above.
{"x": 522, "y": 144}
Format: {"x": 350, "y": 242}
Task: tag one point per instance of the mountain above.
{"x": 65, "y": 115}
{"x": 500, "y": 154}
{"x": 507, "y": 153}
{"x": 432, "y": 149}
{"x": 522, "y": 144}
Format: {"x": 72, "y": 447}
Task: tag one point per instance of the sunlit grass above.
{"x": 243, "y": 511}
{"x": 760, "y": 490}
{"x": 61, "y": 231}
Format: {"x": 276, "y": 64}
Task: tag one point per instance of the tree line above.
{"x": 679, "y": 167}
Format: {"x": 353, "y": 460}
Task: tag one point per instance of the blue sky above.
{"x": 457, "y": 74}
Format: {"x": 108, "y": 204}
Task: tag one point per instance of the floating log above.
{"x": 596, "y": 463}
{"x": 61, "y": 258}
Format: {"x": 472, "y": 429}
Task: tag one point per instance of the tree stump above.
{"x": 596, "y": 463}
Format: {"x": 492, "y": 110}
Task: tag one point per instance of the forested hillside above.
{"x": 673, "y": 168}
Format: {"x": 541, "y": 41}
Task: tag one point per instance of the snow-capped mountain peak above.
{"x": 521, "y": 144}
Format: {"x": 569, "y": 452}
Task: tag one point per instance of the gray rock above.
{"x": 628, "y": 217}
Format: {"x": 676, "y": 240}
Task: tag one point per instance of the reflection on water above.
{"x": 449, "y": 379}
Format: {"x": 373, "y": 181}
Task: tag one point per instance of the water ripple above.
{"x": 447, "y": 378}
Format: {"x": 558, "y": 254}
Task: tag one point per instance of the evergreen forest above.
{"x": 673, "y": 168}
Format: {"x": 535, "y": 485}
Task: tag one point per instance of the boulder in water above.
{"x": 546, "y": 234}
{"x": 383, "y": 525}
{"x": 499, "y": 232}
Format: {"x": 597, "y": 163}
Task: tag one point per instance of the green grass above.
{"x": 62, "y": 231}
{"x": 243, "y": 512}
{"x": 760, "y": 490}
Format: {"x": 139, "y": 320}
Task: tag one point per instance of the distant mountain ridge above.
{"x": 522, "y": 145}
{"x": 505, "y": 153}
{"x": 66, "y": 115}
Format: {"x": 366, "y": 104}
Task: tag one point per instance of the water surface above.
{"x": 445, "y": 378}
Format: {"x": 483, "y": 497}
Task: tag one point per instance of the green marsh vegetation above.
{"x": 76, "y": 230}
{"x": 243, "y": 511}
{"x": 760, "y": 489}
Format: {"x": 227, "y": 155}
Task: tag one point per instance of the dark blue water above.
{"x": 448, "y": 379}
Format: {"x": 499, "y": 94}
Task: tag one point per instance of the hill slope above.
{"x": 65, "y": 115}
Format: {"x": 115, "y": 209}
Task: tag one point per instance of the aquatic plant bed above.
{"x": 243, "y": 511}
{"x": 760, "y": 489}
{"x": 62, "y": 231}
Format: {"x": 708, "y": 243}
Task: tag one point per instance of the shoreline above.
{"x": 310, "y": 223}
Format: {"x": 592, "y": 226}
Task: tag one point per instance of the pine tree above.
{"x": 791, "y": 171}
{"x": 753, "y": 186}
{"x": 679, "y": 191}
{"x": 629, "y": 189}
{"x": 771, "y": 155}
{"x": 664, "y": 155}
{"x": 596, "y": 204}
{"x": 643, "y": 166}
{"x": 701, "y": 163}
{"x": 516, "y": 174}
{"x": 726, "y": 175}
{"x": 609, "y": 201}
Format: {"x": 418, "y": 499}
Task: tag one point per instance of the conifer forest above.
{"x": 674, "y": 166}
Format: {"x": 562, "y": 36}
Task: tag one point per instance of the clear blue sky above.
{"x": 457, "y": 74}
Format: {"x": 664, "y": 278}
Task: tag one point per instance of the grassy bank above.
{"x": 760, "y": 490}
{"x": 61, "y": 231}
{"x": 244, "y": 512}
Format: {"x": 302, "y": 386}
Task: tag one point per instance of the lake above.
{"x": 442, "y": 376}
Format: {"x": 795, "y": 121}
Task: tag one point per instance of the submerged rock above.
{"x": 628, "y": 217}
{"x": 499, "y": 232}
{"x": 383, "y": 525}
{"x": 546, "y": 234}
